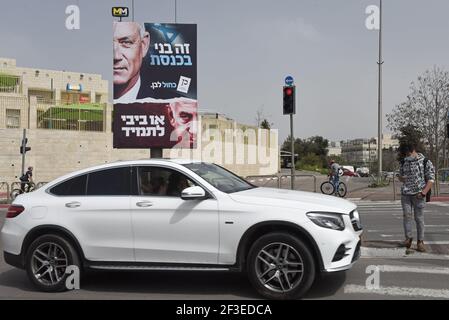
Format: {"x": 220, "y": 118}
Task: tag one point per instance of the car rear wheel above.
{"x": 280, "y": 266}
{"x": 47, "y": 260}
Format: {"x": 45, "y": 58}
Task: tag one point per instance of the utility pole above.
{"x": 23, "y": 150}
{"x": 379, "y": 98}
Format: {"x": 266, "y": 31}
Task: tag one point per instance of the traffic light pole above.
{"x": 293, "y": 153}
{"x": 23, "y": 153}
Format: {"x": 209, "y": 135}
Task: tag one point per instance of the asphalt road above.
{"x": 382, "y": 221}
{"x": 400, "y": 276}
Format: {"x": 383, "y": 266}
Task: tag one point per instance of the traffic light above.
{"x": 289, "y": 100}
{"x": 23, "y": 147}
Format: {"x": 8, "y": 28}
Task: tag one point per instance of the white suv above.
{"x": 179, "y": 215}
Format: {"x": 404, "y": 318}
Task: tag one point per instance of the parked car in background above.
{"x": 350, "y": 168}
{"x": 349, "y": 173}
{"x": 388, "y": 174}
{"x": 363, "y": 171}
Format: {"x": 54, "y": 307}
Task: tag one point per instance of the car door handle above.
{"x": 73, "y": 204}
{"x": 144, "y": 204}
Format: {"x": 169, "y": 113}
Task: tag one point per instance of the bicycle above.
{"x": 327, "y": 187}
{"x": 29, "y": 186}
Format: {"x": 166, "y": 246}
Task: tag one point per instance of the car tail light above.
{"x": 14, "y": 210}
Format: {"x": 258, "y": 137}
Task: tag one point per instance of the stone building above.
{"x": 67, "y": 119}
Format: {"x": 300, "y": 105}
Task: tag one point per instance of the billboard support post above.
{"x": 156, "y": 153}
{"x": 23, "y": 150}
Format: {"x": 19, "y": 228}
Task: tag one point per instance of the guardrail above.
{"x": 40, "y": 184}
{"x": 5, "y": 184}
{"x": 443, "y": 181}
{"x": 265, "y": 179}
{"x": 298, "y": 175}
{"x": 16, "y": 185}
{"x": 262, "y": 178}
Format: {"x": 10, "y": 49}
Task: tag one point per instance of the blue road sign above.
{"x": 289, "y": 81}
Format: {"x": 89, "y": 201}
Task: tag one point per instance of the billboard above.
{"x": 154, "y": 85}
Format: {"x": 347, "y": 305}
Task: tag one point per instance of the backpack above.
{"x": 24, "y": 178}
{"x": 428, "y": 194}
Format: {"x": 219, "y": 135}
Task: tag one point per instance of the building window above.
{"x": 12, "y": 118}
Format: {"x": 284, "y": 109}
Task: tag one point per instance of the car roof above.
{"x": 153, "y": 161}
{"x": 156, "y": 161}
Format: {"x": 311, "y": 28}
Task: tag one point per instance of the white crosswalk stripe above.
{"x": 394, "y": 207}
{"x": 397, "y": 291}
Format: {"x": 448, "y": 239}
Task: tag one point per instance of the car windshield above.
{"x": 220, "y": 178}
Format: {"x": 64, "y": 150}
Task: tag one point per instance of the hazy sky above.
{"x": 247, "y": 47}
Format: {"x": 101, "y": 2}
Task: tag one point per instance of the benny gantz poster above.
{"x": 155, "y": 85}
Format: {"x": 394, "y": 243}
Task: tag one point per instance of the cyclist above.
{"x": 334, "y": 174}
{"x": 26, "y": 179}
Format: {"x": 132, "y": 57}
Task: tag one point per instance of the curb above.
{"x": 438, "y": 199}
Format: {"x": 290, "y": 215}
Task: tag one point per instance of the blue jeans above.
{"x": 335, "y": 182}
{"x": 413, "y": 207}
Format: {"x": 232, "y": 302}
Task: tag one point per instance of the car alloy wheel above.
{"x": 279, "y": 267}
{"x": 48, "y": 263}
{"x": 47, "y": 260}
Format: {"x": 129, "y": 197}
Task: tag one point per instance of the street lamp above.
{"x": 379, "y": 98}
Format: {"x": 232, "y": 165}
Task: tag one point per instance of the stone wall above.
{"x": 57, "y": 152}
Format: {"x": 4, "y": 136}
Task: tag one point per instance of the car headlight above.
{"x": 327, "y": 220}
{"x": 355, "y": 220}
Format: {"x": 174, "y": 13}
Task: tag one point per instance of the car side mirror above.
{"x": 193, "y": 193}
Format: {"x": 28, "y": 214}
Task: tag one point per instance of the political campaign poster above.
{"x": 154, "y": 85}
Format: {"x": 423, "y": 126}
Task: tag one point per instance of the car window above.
{"x": 109, "y": 182}
{"x": 73, "y": 187}
{"x": 158, "y": 181}
{"x": 220, "y": 178}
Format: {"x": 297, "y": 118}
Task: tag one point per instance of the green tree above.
{"x": 425, "y": 109}
{"x": 265, "y": 124}
{"x": 305, "y": 148}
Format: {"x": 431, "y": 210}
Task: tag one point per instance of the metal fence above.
{"x": 357, "y": 187}
{"x": 75, "y": 117}
{"x": 10, "y": 83}
{"x": 4, "y": 191}
{"x": 442, "y": 181}
{"x": 304, "y": 182}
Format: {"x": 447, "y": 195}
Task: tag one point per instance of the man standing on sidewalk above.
{"x": 417, "y": 174}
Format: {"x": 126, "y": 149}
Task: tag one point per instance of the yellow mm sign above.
{"x": 120, "y": 12}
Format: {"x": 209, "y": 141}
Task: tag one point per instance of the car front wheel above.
{"x": 280, "y": 266}
{"x": 47, "y": 260}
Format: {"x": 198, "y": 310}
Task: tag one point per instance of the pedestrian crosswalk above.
{"x": 396, "y": 281}
{"x": 383, "y": 225}
{"x": 400, "y": 276}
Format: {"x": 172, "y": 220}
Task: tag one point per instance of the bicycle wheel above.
{"x": 14, "y": 193}
{"x": 31, "y": 187}
{"x": 341, "y": 191}
{"x": 327, "y": 188}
